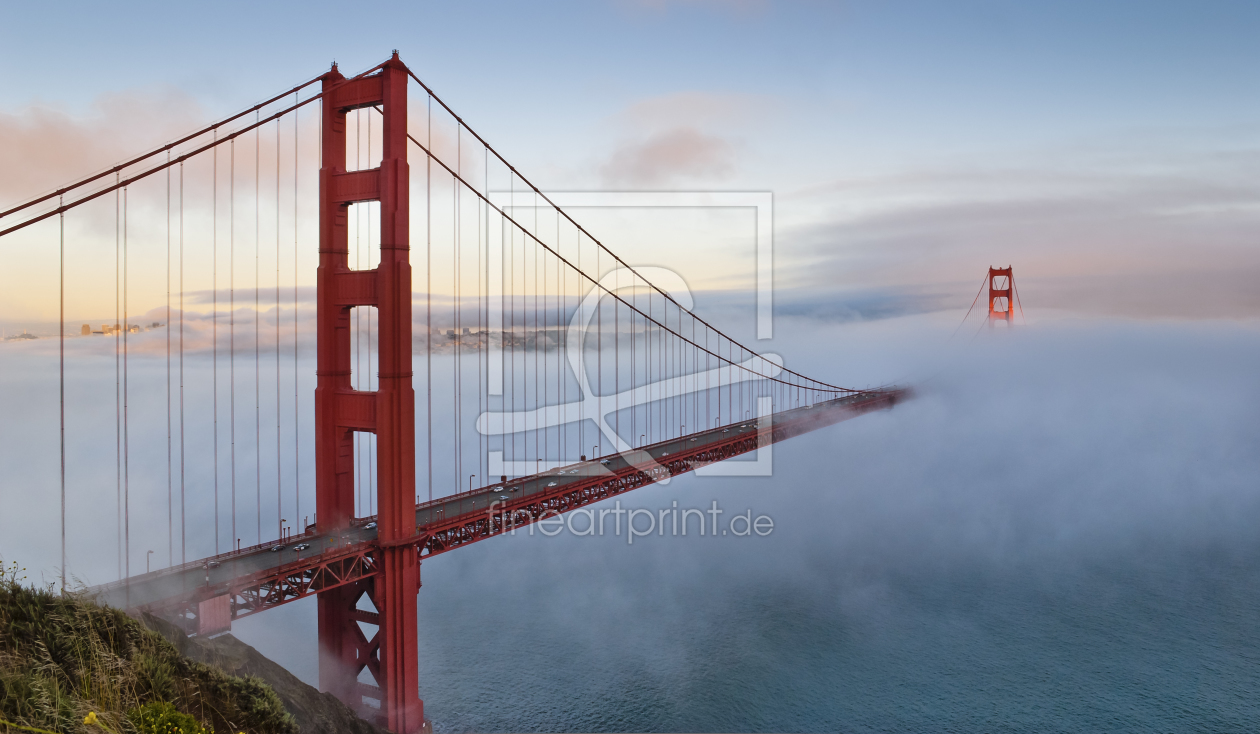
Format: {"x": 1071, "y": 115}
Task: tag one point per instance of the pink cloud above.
{"x": 667, "y": 156}
{"x": 44, "y": 147}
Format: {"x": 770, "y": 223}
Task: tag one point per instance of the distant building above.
{"x": 86, "y": 330}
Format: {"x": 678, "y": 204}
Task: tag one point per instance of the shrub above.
{"x": 159, "y": 717}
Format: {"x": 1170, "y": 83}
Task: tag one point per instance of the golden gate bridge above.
{"x": 554, "y": 344}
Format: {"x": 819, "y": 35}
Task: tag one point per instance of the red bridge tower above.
{"x": 1001, "y": 286}
{"x": 390, "y": 655}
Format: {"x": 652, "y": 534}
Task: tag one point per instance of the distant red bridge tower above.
{"x": 1001, "y": 301}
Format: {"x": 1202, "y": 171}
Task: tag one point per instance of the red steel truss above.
{"x": 353, "y": 567}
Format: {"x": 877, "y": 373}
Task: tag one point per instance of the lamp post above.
{"x": 595, "y": 452}
{"x": 470, "y": 478}
{"x": 146, "y": 561}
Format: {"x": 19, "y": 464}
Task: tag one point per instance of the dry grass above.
{"x": 62, "y": 657}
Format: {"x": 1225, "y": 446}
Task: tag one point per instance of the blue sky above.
{"x": 869, "y": 120}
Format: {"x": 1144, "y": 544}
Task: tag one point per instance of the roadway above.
{"x": 259, "y": 561}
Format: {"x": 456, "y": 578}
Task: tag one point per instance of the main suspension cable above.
{"x": 612, "y": 292}
{"x": 120, "y": 182}
{"x": 619, "y": 261}
{"x": 61, "y": 192}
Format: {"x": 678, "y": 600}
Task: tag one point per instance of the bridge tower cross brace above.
{"x": 391, "y": 655}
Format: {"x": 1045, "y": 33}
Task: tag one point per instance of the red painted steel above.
{"x": 214, "y": 615}
{"x": 352, "y": 566}
{"x": 391, "y": 655}
{"x": 1001, "y": 296}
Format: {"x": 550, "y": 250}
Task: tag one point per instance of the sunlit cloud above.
{"x": 670, "y": 156}
{"x": 1138, "y": 244}
{"x": 46, "y": 147}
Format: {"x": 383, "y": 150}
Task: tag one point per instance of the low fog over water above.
{"x": 1058, "y": 532}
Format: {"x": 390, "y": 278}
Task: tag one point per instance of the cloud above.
{"x": 691, "y": 108}
{"x": 668, "y": 156}
{"x": 45, "y": 147}
{"x": 1136, "y": 244}
{"x": 673, "y": 137}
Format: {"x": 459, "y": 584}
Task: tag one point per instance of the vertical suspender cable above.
{"x": 482, "y": 293}
{"x": 118, "y": 371}
{"x": 232, "y": 328}
{"x": 538, "y": 432}
{"x": 297, "y": 429}
{"x": 170, "y": 464}
{"x": 428, "y": 292}
{"x": 183, "y": 527}
{"x": 358, "y": 333}
{"x": 126, "y": 428}
{"x": 617, "y": 356}
{"x": 560, "y": 312}
{"x": 510, "y": 265}
{"x": 560, "y": 280}
{"x": 599, "y": 337}
{"x": 279, "y": 476}
{"x": 459, "y": 308}
{"x": 61, "y": 375}
{"x": 371, "y": 437}
{"x": 214, "y": 317}
{"x": 257, "y": 329}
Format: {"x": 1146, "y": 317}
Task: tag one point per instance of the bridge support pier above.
{"x": 390, "y": 655}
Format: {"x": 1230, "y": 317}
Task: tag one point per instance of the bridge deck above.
{"x": 276, "y": 572}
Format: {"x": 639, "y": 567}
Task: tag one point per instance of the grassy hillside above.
{"x": 62, "y": 659}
